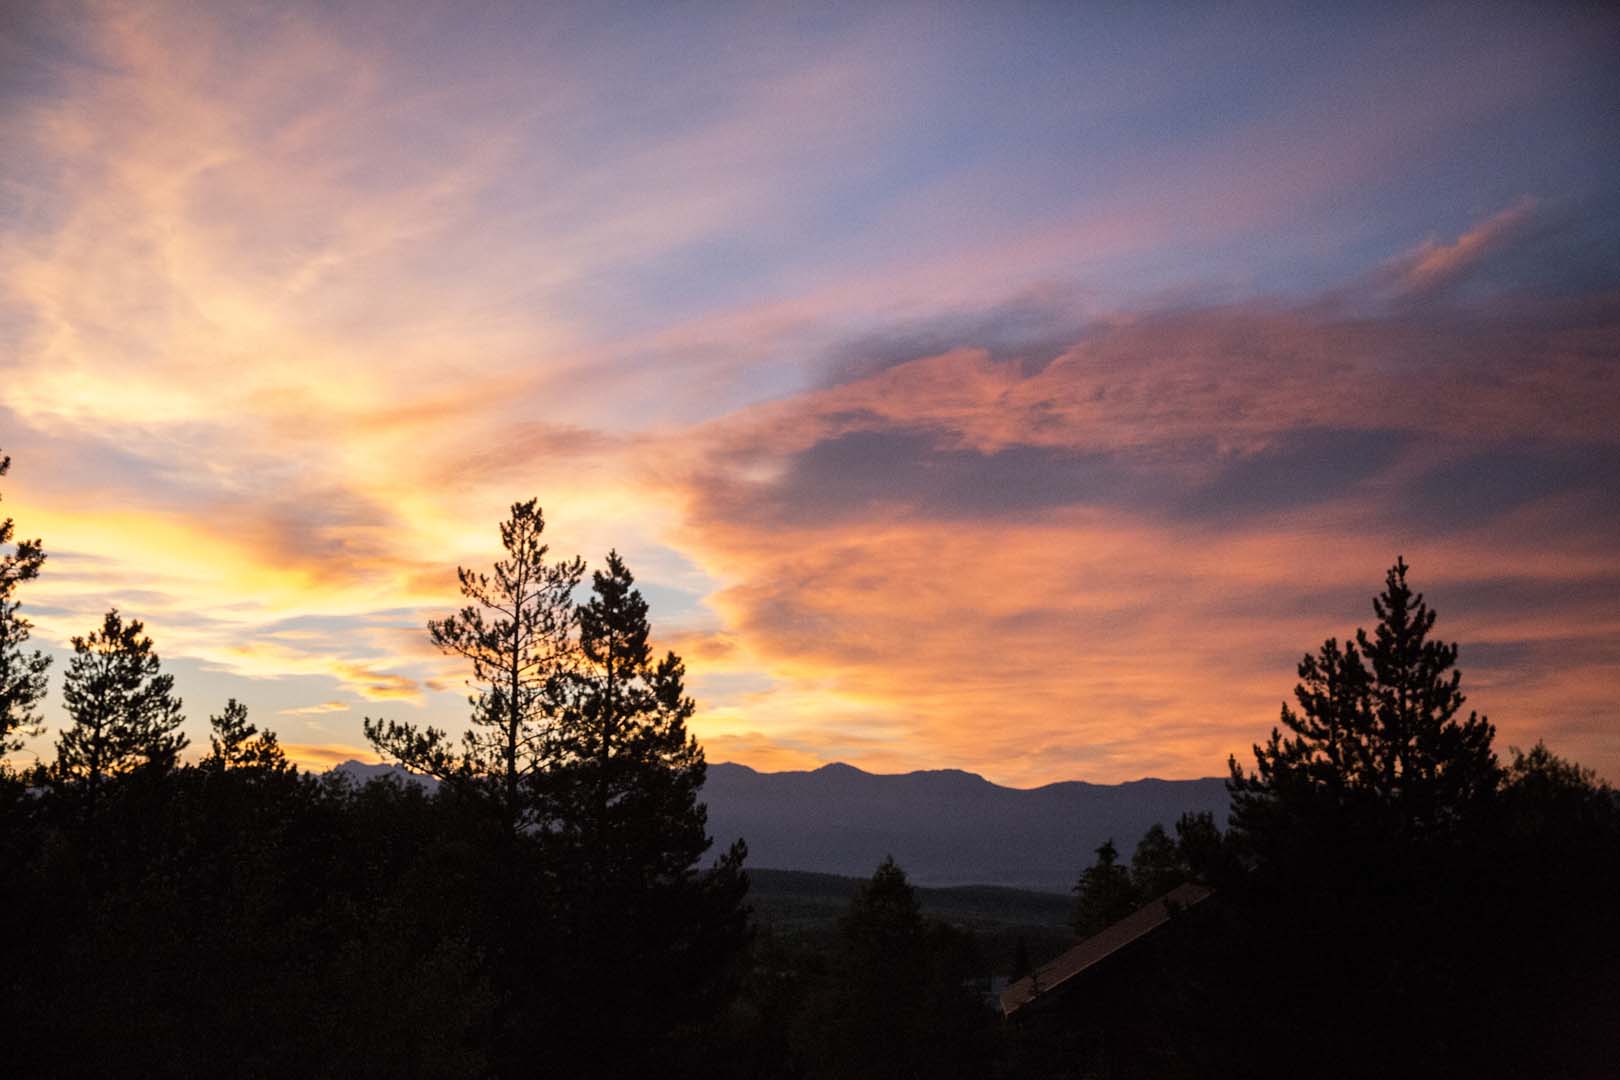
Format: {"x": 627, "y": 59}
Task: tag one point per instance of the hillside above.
{"x": 945, "y": 828}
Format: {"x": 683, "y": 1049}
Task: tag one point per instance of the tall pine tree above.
{"x": 647, "y": 937}
{"x": 627, "y": 772}
{"x": 1426, "y": 757}
{"x": 22, "y": 674}
{"x": 516, "y": 634}
{"x": 1366, "y": 829}
{"x": 1377, "y": 734}
{"x": 123, "y": 710}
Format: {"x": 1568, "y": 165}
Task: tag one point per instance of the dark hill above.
{"x": 943, "y": 827}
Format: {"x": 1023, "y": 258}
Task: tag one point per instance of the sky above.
{"x": 1019, "y": 388}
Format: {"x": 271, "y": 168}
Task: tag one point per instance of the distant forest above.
{"x": 1392, "y": 897}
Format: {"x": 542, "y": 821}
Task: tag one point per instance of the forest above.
{"x": 1394, "y": 895}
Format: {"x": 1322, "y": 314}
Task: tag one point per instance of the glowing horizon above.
{"x": 1015, "y": 395}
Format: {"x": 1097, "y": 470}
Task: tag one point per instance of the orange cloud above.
{"x": 316, "y": 710}
{"x": 377, "y": 685}
{"x": 318, "y": 757}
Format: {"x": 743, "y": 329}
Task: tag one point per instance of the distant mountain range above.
{"x": 944, "y": 827}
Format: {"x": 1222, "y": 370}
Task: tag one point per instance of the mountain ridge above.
{"x": 845, "y": 769}
{"x": 945, "y": 827}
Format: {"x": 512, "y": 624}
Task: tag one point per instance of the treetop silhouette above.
{"x": 235, "y": 743}
{"x": 1378, "y": 723}
{"x": 516, "y": 632}
{"x": 627, "y": 770}
{"x": 122, "y": 706}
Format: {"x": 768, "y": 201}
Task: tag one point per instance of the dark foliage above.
{"x": 898, "y": 998}
{"x": 22, "y": 674}
{"x": 1105, "y": 893}
{"x": 1108, "y": 891}
{"x": 1399, "y": 899}
{"x": 123, "y": 710}
{"x": 1377, "y": 737}
{"x": 648, "y": 941}
{"x": 608, "y": 950}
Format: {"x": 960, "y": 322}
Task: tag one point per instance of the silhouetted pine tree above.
{"x": 516, "y": 633}
{"x": 1156, "y": 865}
{"x": 898, "y": 998}
{"x": 1367, "y": 830}
{"x": 1377, "y": 727}
{"x": 235, "y": 743}
{"x": 628, "y": 773}
{"x": 123, "y": 710}
{"x": 22, "y": 675}
{"x": 1433, "y": 764}
{"x": 649, "y": 934}
{"x": 1201, "y": 846}
{"x": 1104, "y": 893}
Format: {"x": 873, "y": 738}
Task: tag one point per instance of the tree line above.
{"x": 1389, "y": 896}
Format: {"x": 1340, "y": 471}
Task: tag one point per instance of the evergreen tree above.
{"x": 123, "y": 710}
{"x": 1156, "y": 866}
{"x": 1427, "y": 759}
{"x": 235, "y": 743}
{"x": 1366, "y": 829}
{"x": 884, "y": 920}
{"x": 628, "y": 773}
{"x": 1105, "y": 893}
{"x": 1377, "y": 728}
{"x": 22, "y": 674}
{"x": 1200, "y": 846}
{"x": 516, "y": 634}
{"x": 898, "y": 1000}
{"x": 626, "y": 831}
{"x": 1160, "y": 862}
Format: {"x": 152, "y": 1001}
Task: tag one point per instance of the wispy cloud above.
{"x": 316, "y": 710}
{"x": 1434, "y": 265}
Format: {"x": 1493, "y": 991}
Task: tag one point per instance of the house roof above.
{"x": 1138, "y": 924}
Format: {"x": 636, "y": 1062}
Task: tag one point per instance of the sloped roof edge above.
{"x": 1138, "y": 924}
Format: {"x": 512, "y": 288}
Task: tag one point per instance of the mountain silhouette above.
{"x": 945, "y": 827}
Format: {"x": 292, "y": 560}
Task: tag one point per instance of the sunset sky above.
{"x": 1015, "y": 388}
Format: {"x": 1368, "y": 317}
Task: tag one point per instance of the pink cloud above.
{"x": 1433, "y": 265}
{"x": 1147, "y": 625}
